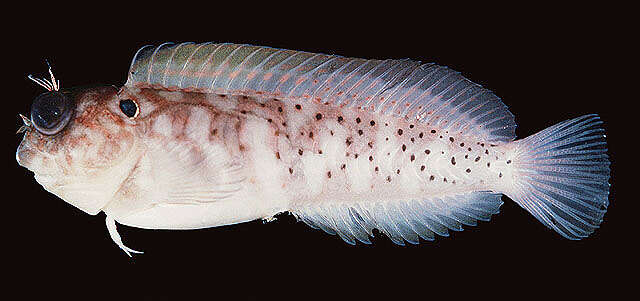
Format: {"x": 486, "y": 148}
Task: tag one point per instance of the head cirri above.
{"x": 78, "y": 143}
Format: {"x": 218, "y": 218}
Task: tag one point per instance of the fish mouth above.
{"x": 24, "y": 153}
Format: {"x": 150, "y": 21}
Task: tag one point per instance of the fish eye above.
{"x": 51, "y": 112}
{"x": 129, "y": 108}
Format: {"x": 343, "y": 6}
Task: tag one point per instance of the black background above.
{"x": 548, "y": 64}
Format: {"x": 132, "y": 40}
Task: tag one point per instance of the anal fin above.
{"x": 400, "y": 220}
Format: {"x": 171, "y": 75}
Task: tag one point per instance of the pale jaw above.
{"x": 89, "y": 191}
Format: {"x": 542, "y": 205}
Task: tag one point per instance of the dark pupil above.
{"x": 47, "y": 111}
{"x": 128, "y": 107}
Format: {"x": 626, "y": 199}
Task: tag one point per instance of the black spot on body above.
{"x": 453, "y": 160}
{"x": 358, "y": 120}
{"x": 399, "y": 132}
{"x": 372, "y": 123}
{"x": 318, "y": 116}
{"x": 298, "y": 107}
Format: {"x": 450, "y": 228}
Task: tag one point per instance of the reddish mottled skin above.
{"x": 85, "y": 131}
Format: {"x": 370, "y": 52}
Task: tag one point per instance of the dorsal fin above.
{"x": 429, "y": 93}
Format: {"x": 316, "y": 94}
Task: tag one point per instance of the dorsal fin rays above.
{"x": 426, "y": 93}
{"x": 294, "y": 91}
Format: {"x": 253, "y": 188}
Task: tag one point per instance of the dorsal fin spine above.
{"x": 289, "y": 74}
{"x": 166, "y": 67}
{"x": 153, "y": 57}
{"x": 346, "y": 78}
{"x": 206, "y": 63}
{"x": 443, "y": 106}
{"x": 222, "y": 65}
{"x": 242, "y": 64}
{"x": 428, "y": 91}
{"x": 330, "y": 59}
{"x": 464, "y": 114}
{"x": 345, "y": 94}
{"x": 451, "y": 110}
{"x": 411, "y": 90}
{"x": 321, "y": 86}
{"x": 186, "y": 63}
{"x": 396, "y": 89}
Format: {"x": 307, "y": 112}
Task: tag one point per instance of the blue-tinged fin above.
{"x": 429, "y": 93}
{"x": 401, "y": 221}
{"x": 562, "y": 176}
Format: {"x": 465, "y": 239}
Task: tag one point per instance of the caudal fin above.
{"x": 562, "y": 176}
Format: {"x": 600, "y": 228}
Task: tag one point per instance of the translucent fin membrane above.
{"x": 429, "y": 93}
{"x": 401, "y": 220}
{"x": 563, "y": 176}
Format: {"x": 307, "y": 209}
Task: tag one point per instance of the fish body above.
{"x": 205, "y": 135}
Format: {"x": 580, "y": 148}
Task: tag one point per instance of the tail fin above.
{"x": 562, "y": 176}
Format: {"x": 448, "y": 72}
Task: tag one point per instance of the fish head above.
{"x": 80, "y": 144}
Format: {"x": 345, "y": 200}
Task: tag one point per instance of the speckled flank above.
{"x": 309, "y": 152}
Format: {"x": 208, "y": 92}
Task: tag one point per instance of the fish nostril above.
{"x": 51, "y": 112}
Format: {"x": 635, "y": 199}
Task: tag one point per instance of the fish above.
{"x": 213, "y": 134}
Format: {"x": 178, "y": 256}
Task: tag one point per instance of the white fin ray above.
{"x": 563, "y": 176}
{"x": 428, "y": 93}
{"x": 400, "y": 220}
{"x": 115, "y": 236}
